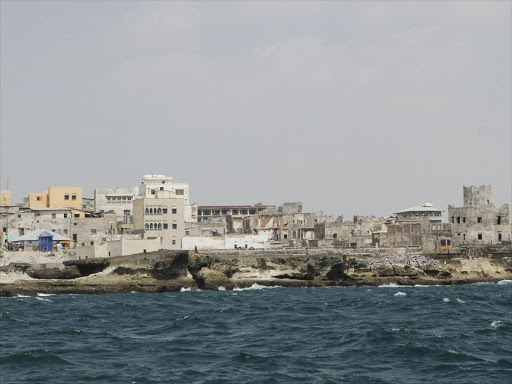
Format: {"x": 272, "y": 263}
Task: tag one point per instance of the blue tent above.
{"x": 45, "y": 242}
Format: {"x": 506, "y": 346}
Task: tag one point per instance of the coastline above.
{"x": 172, "y": 271}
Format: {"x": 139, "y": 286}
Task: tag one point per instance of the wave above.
{"x": 221, "y": 288}
{"x": 400, "y": 294}
{"x": 391, "y": 285}
{"x": 446, "y": 300}
{"x": 256, "y": 286}
{"x": 22, "y": 296}
{"x": 42, "y": 299}
{"x": 496, "y": 324}
{"x": 460, "y": 301}
{"x": 45, "y": 294}
{"x": 504, "y": 282}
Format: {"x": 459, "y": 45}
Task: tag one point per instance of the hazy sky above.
{"x": 349, "y": 107}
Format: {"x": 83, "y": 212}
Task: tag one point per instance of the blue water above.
{"x": 273, "y": 335}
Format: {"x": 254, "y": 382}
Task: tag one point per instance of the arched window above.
{"x": 159, "y": 226}
{"x": 159, "y": 211}
{"x": 147, "y": 211}
{"x": 334, "y": 235}
{"x": 146, "y": 226}
{"x": 151, "y": 226}
{"x": 150, "y": 211}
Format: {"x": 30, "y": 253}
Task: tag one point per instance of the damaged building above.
{"x": 479, "y": 221}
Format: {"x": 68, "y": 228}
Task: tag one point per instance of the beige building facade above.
{"x": 56, "y": 197}
{"x": 161, "y": 216}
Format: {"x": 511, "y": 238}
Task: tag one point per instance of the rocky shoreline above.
{"x": 171, "y": 271}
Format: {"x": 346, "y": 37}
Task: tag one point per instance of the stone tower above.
{"x": 477, "y": 196}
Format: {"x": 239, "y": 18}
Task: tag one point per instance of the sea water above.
{"x": 459, "y": 334}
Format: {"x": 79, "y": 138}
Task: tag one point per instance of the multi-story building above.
{"x": 118, "y": 201}
{"x": 479, "y": 221}
{"x": 207, "y": 212}
{"x": 161, "y": 215}
{"x": 56, "y": 197}
{"x": 150, "y": 184}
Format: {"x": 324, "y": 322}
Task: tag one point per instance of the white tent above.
{"x": 34, "y": 236}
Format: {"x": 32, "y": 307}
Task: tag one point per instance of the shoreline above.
{"x": 172, "y": 271}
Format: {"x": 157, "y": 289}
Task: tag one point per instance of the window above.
{"x": 151, "y": 226}
{"x": 463, "y": 236}
{"x": 161, "y": 188}
{"x": 180, "y": 192}
{"x": 146, "y": 226}
{"x": 152, "y": 191}
{"x": 166, "y": 226}
{"x": 174, "y": 210}
{"x": 165, "y": 211}
{"x": 499, "y": 220}
{"x": 75, "y": 223}
{"x": 66, "y": 197}
{"x": 108, "y": 198}
{"x": 65, "y": 231}
{"x": 129, "y": 198}
{"x": 159, "y": 211}
{"x": 479, "y": 236}
{"x": 285, "y": 236}
{"x": 150, "y": 211}
{"x": 147, "y": 211}
{"x": 187, "y": 233}
{"x": 77, "y": 215}
{"x": 93, "y": 231}
{"x": 73, "y": 197}
{"x": 458, "y": 220}
{"x": 65, "y": 215}
{"x": 39, "y": 198}
{"x": 159, "y": 226}
{"x": 453, "y": 219}
{"x": 54, "y": 215}
{"x": 463, "y": 219}
{"x": 499, "y": 236}
{"x": 174, "y": 242}
{"x": 175, "y": 226}
{"x": 92, "y": 242}
{"x": 479, "y": 220}
{"x": 334, "y": 235}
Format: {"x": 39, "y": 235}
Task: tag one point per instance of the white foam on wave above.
{"x": 400, "y": 294}
{"x": 496, "y": 324}
{"x": 42, "y": 299}
{"x": 391, "y": 285}
{"x": 256, "y": 286}
{"x": 446, "y": 300}
{"x": 221, "y": 288}
{"x": 45, "y": 294}
{"x": 460, "y": 301}
{"x": 183, "y": 289}
{"x": 504, "y": 282}
{"x": 22, "y": 296}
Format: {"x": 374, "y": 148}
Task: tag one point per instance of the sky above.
{"x": 350, "y": 107}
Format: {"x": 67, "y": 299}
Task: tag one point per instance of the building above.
{"x": 206, "y": 212}
{"x": 479, "y": 221}
{"x": 150, "y": 184}
{"x": 161, "y": 215}
{"x": 56, "y": 197}
{"x": 5, "y": 197}
{"x": 118, "y": 201}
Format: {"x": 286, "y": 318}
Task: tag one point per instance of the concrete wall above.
{"x": 203, "y": 243}
{"x": 94, "y": 230}
{"x": 5, "y": 197}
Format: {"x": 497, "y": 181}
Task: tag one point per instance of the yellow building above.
{"x": 5, "y": 197}
{"x": 56, "y": 197}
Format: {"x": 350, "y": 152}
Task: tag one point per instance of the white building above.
{"x": 119, "y": 201}
{"x": 152, "y": 183}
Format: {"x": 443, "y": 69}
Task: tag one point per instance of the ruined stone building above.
{"x": 479, "y": 221}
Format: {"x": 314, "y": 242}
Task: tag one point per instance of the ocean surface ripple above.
{"x": 460, "y": 334}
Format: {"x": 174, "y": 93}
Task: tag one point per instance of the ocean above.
{"x": 450, "y": 334}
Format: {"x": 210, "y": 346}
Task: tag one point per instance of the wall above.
{"x": 93, "y": 229}
{"x": 5, "y": 197}
{"x": 203, "y": 243}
